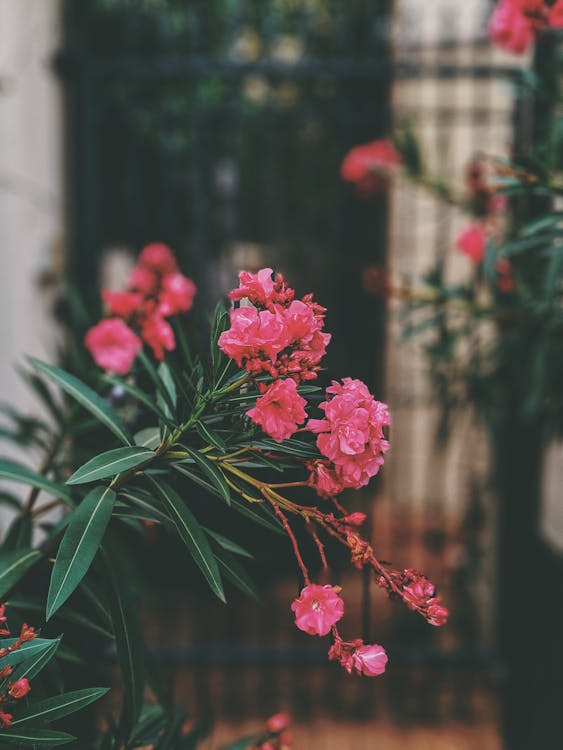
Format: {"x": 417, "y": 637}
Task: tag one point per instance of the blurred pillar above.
{"x": 31, "y": 166}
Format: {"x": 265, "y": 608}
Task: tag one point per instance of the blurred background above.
{"x": 219, "y": 127}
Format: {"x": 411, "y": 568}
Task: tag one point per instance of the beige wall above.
{"x": 31, "y": 171}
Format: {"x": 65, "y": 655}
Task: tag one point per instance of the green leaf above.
{"x": 17, "y": 473}
{"x": 85, "y": 396}
{"x": 19, "y": 534}
{"x": 236, "y": 574}
{"x": 227, "y": 544}
{"x": 214, "y": 474}
{"x": 54, "y": 708}
{"x": 27, "y": 651}
{"x": 35, "y": 663}
{"x": 129, "y": 641}
{"x": 146, "y": 505}
{"x": 258, "y": 513}
{"x": 13, "y": 565}
{"x": 79, "y": 545}
{"x": 191, "y": 534}
{"x": 149, "y": 437}
{"x": 291, "y": 447}
{"x": 210, "y": 437}
{"x": 140, "y": 395}
{"x": 35, "y": 737}
{"x": 110, "y": 463}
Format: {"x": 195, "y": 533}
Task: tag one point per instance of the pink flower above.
{"x": 122, "y": 304}
{"x": 177, "y": 295}
{"x": 369, "y": 660}
{"x": 510, "y": 27}
{"x": 20, "y": 688}
{"x": 317, "y": 609}
{"x": 555, "y": 15}
{"x": 143, "y": 280}
{"x": 436, "y": 614}
{"x": 258, "y": 288}
{"x": 354, "y": 519}
{"x": 497, "y": 203}
{"x": 472, "y": 242}
{"x": 255, "y": 338}
{"x": 278, "y": 722}
{"x": 351, "y": 434}
{"x": 280, "y": 410}
{"x": 158, "y": 334}
{"x": 323, "y": 479}
{"x": 417, "y": 593}
{"x": 368, "y": 164}
{"x": 159, "y": 258}
{"x": 505, "y": 277}
{"x": 113, "y": 345}
{"x": 5, "y": 719}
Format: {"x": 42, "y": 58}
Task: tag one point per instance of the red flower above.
{"x": 278, "y": 722}
{"x": 505, "y": 277}
{"x": 27, "y": 633}
{"x": 555, "y": 15}
{"x": 351, "y": 433}
{"x": 280, "y": 410}
{"x": 472, "y": 242}
{"x": 368, "y": 165}
{"x": 437, "y": 614}
{"x": 369, "y": 660}
{"x": 514, "y": 23}
{"x": 5, "y": 719}
{"x": 258, "y": 288}
{"x": 158, "y": 258}
{"x": 324, "y": 480}
{"x": 20, "y": 688}
{"x": 177, "y": 295}
{"x": 113, "y": 345}
{"x": 122, "y": 304}
{"x": 158, "y": 334}
{"x": 317, "y": 609}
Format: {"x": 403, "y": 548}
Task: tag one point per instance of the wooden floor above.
{"x": 341, "y": 736}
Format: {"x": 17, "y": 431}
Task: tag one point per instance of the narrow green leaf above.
{"x": 236, "y": 574}
{"x": 258, "y": 513}
{"x": 79, "y": 545}
{"x": 143, "y": 505}
{"x": 149, "y": 437}
{"x": 227, "y": 544}
{"x": 17, "y": 473}
{"x": 18, "y": 534}
{"x": 140, "y": 395}
{"x": 214, "y": 474}
{"x": 35, "y": 663}
{"x": 31, "y": 737}
{"x": 54, "y": 708}
{"x": 28, "y": 650}
{"x": 85, "y": 396}
{"x": 210, "y": 437}
{"x": 128, "y": 637}
{"x": 191, "y": 534}
{"x": 110, "y": 463}
{"x": 13, "y": 565}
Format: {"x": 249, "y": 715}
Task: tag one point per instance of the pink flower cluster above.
{"x": 355, "y": 656}
{"x": 350, "y": 436}
{"x": 515, "y": 23}
{"x": 472, "y": 242}
{"x": 156, "y": 291}
{"x": 280, "y": 336}
{"x": 317, "y": 610}
{"x": 418, "y": 593}
{"x": 367, "y": 166}
{"x": 18, "y": 689}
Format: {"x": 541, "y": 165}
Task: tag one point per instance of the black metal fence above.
{"x": 219, "y": 127}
